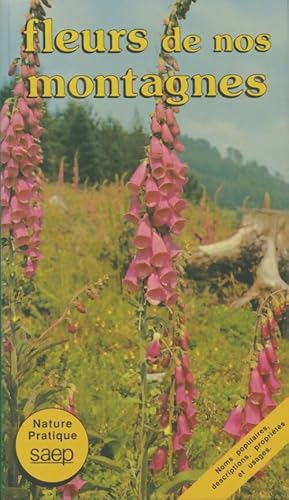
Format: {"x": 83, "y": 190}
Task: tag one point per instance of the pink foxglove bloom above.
{"x": 271, "y": 353}
{"x": 138, "y": 178}
{"x": 144, "y": 234}
{"x": 168, "y": 276}
{"x": 172, "y": 248}
{"x": 167, "y": 186}
{"x": 156, "y": 150}
{"x": 233, "y": 425}
{"x": 268, "y": 403}
{"x": 256, "y": 391}
{"x": 152, "y": 193}
{"x": 177, "y": 445}
{"x": 131, "y": 280}
{"x": 142, "y": 263}
{"x": 180, "y": 375}
{"x": 160, "y": 255}
{"x": 183, "y": 463}
{"x": 155, "y": 126}
{"x": 133, "y": 215}
{"x": 162, "y": 214}
{"x": 252, "y": 415}
{"x": 158, "y": 171}
{"x": 181, "y": 395}
{"x": 272, "y": 383}
{"x": 155, "y": 293}
{"x": 71, "y": 489}
{"x": 154, "y": 349}
{"x": 159, "y": 460}
{"x": 183, "y": 429}
{"x": 263, "y": 363}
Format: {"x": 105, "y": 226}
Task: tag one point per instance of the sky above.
{"x": 259, "y": 128}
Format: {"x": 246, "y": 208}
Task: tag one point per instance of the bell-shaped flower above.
{"x": 252, "y": 415}
{"x": 164, "y": 420}
{"x": 155, "y": 293}
{"x": 142, "y": 263}
{"x": 181, "y": 395}
{"x": 153, "y": 351}
{"x": 182, "y": 461}
{"x": 5, "y": 195}
{"x": 5, "y": 152}
{"x": 143, "y": 236}
{"x": 17, "y": 121}
{"x": 234, "y": 423}
{"x": 177, "y": 224}
{"x": 6, "y": 222}
{"x": 268, "y": 403}
{"x": 172, "y": 248}
{"x": 137, "y": 179}
{"x": 167, "y": 158}
{"x": 189, "y": 379}
{"x": 190, "y": 412}
{"x": 18, "y": 210}
{"x": 155, "y": 126}
{"x": 168, "y": 276}
{"x": 23, "y": 190}
{"x": 256, "y": 391}
{"x": 72, "y": 488}
{"x": 160, "y": 255}
{"x": 178, "y": 146}
{"x": 163, "y": 214}
{"x": 159, "y": 460}
{"x": 133, "y": 215}
{"x": 20, "y": 89}
{"x": 160, "y": 112}
{"x": 264, "y": 366}
{"x": 177, "y": 204}
{"x": 155, "y": 150}
{"x": 152, "y": 193}
{"x": 166, "y": 134}
{"x": 178, "y": 447}
{"x": 183, "y": 429}
{"x": 272, "y": 383}
{"x": 21, "y": 235}
{"x": 167, "y": 187}
{"x": 4, "y": 125}
{"x": 157, "y": 168}
{"x": 171, "y": 296}
{"x": 30, "y": 268}
{"x": 23, "y": 107}
{"x": 130, "y": 281}
{"x": 271, "y": 353}
{"x": 180, "y": 375}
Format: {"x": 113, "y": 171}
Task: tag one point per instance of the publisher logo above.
{"x": 52, "y": 446}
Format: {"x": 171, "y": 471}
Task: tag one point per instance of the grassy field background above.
{"x": 84, "y": 238}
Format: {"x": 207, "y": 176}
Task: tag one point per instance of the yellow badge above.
{"x": 52, "y": 446}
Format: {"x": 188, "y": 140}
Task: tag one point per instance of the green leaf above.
{"x": 107, "y": 463}
{"x": 179, "y": 480}
{"x": 37, "y": 398}
{"x": 90, "y": 486}
{"x": 16, "y": 494}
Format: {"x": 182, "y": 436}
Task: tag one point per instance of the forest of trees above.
{"x": 106, "y": 149}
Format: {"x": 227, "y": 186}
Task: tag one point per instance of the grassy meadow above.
{"x": 84, "y": 238}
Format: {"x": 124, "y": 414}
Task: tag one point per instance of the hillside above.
{"x": 237, "y": 178}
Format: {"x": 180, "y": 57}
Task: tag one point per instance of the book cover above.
{"x": 144, "y": 249}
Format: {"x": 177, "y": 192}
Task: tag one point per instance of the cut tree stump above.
{"x": 258, "y": 251}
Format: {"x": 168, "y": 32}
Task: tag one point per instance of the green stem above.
{"x": 143, "y": 460}
{"x": 12, "y": 381}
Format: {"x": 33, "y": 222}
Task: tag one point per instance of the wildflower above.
{"x": 159, "y": 460}
{"x": 71, "y": 489}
